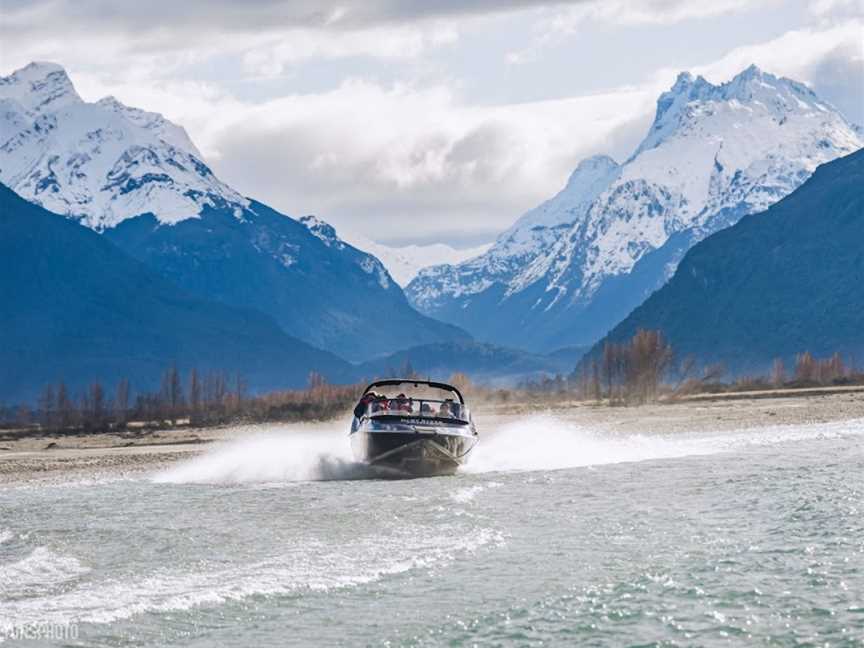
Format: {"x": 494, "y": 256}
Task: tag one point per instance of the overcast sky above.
{"x": 422, "y": 121}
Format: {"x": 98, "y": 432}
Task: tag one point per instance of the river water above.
{"x": 554, "y": 536}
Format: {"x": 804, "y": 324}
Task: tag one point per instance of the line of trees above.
{"x": 811, "y": 370}
{"x": 629, "y": 372}
{"x": 636, "y": 371}
{"x": 644, "y": 367}
{"x": 210, "y": 398}
{"x": 198, "y": 399}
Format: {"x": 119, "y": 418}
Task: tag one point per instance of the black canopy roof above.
{"x": 392, "y": 382}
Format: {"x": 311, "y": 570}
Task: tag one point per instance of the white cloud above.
{"x": 636, "y": 12}
{"x": 362, "y": 154}
{"x": 294, "y": 46}
{"x": 834, "y": 9}
{"x": 365, "y": 153}
{"x": 829, "y": 60}
{"x": 559, "y": 23}
{"x": 395, "y": 161}
{"x": 794, "y": 54}
{"x": 267, "y": 38}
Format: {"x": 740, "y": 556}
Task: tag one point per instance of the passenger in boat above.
{"x": 450, "y": 409}
{"x": 364, "y": 403}
{"x": 401, "y": 404}
{"x": 379, "y": 404}
{"x": 444, "y": 410}
{"x": 426, "y": 409}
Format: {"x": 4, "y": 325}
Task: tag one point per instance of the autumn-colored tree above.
{"x": 460, "y": 381}
{"x": 832, "y": 369}
{"x": 778, "y": 372}
{"x": 805, "y": 367}
{"x": 632, "y": 371}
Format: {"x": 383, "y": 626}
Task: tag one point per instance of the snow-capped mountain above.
{"x": 102, "y": 162}
{"x": 82, "y": 311}
{"x": 569, "y": 270}
{"x": 775, "y": 284}
{"x": 403, "y": 262}
{"x": 139, "y": 180}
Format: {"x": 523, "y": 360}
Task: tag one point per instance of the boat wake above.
{"x": 294, "y": 453}
{"x": 38, "y": 571}
{"x": 549, "y": 443}
{"x": 320, "y": 453}
{"x": 312, "y": 567}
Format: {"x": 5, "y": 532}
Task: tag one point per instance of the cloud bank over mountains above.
{"x": 376, "y": 115}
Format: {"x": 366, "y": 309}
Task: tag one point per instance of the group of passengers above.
{"x": 376, "y": 403}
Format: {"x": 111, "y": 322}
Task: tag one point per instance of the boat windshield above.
{"x": 424, "y": 408}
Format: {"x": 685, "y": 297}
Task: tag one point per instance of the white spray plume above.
{"x": 285, "y": 453}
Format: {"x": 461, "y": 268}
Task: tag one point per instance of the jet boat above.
{"x": 412, "y": 428}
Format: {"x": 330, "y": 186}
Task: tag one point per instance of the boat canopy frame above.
{"x": 392, "y": 382}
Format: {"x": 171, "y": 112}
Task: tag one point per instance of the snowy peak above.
{"x": 363, "y": 258}
{"x": 38, "y": 87}
{"x": 401, "y": 264}
{"x": 685, "y": 89}
{"x": 165, "y": 130}
{"x": 322, "y": 230}
{"x": 101, "y": 162}
{"x": 572, "y": 267}
{"x": 779, "y": 93}
{"x": 590, "y": 177}
{"x": 405, "y": 262}
{"x": 688, "y": 99}
{"x": 591, "y": 167}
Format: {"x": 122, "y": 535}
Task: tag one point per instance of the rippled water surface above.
{"x": 555, "y": 536}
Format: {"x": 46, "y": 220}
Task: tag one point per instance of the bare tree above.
{"x": 778, "y": 372}
{"x": 596, "y": 389}
{"x": 315, "y": 380}
{"x": 65, "y": 407}
{"x": 92, "y": 409}
{"x": 22, "y": 416}
{"x": 610, "y": 367}
{"x": 833, "y": 369}
{"x": 171, "y": 392}
{"x": 460, "y": 381}
{"x": 713, "y": 372}
{"x": 97, "y": 404}
{"x": 47, "y": 407}
{"x": 121, "y": 401}
{"x": 194, "y": 393}
{"x": 242, "y": 389}
{"x": 684, "y": 370}
{"x": 215, "y": 391}
{"x": 805, "y": 367}
{"x": 407, "y": 370}
{"x": 648, "y": 359}
{"x": 633, "y": 371}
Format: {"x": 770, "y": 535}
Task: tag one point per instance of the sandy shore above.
{"x": 706, "y": 413}
{"x": 36, "y": 457}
